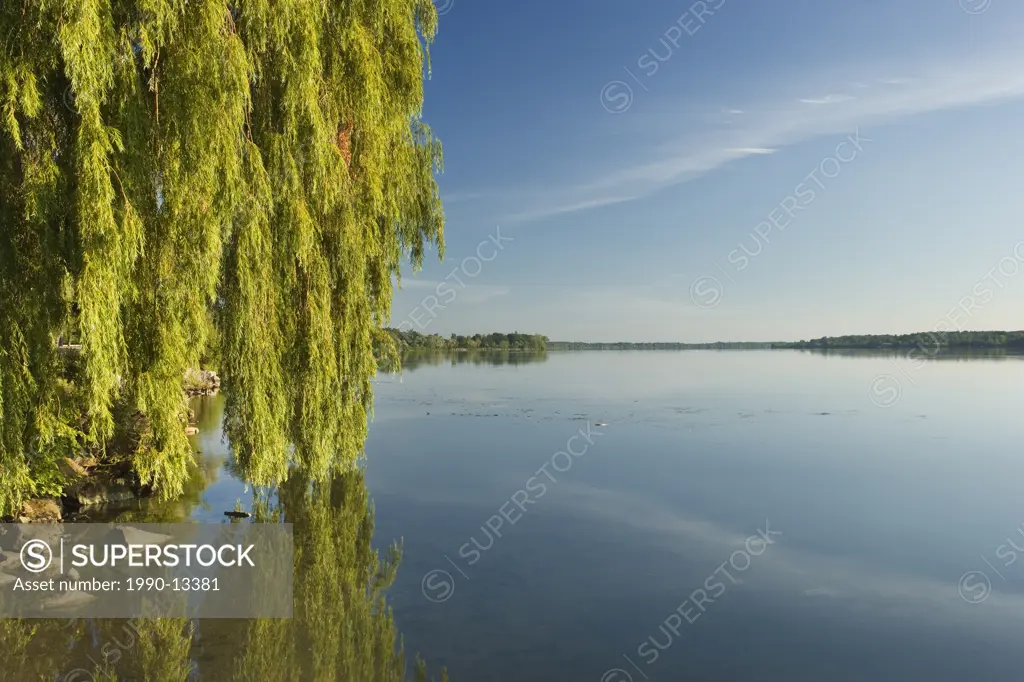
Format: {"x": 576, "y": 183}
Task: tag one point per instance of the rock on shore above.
{"x": 201, "y": 382}
{"x": 40, "y": 510}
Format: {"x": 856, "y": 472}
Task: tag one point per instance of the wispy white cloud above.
{"x": 772, "y": 125}
{"x": 734, "y": 112}
{"x": 828, "y": 99}
{"x": 548, "y": 211}
{"x": 748, "y": 151}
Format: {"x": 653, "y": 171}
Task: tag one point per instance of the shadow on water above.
{"x": 342, "y": 629}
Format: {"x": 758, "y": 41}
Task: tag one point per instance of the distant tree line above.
{"x": 928, "y": 341}
{"x": 626, "y": 345}
{"x": 925, "y": 340}
{"x": 414, "y": 340}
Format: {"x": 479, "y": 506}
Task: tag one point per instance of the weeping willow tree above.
{"x": 176, "y": 174}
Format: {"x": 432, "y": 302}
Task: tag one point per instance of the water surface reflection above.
{"x": 342, "y": 628}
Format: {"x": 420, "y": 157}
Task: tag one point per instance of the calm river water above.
{"x": 716, "y": 516}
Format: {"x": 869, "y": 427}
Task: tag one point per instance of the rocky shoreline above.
{"x": 93, "y": 485}
{"x": 201, "y": 382}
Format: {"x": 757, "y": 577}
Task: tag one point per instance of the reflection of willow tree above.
{"x": 154, "y": 650}
{"x": 208, "y": 411}
{"x": 18, "y": 659}
{"x": 341, "y": 630}
{"x": 342, "y": 627}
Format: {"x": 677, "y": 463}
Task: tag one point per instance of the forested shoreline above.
{"x": 413, "y": 341}
{"x": 656, "y": 345}
{"x": 922, "y": 340}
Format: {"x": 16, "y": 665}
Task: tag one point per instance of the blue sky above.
{"x": 862, "y": 161}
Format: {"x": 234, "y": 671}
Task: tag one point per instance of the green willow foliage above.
{"x": 174, "y": 168}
